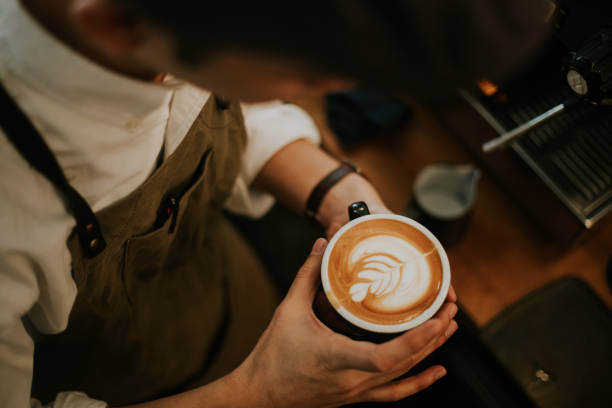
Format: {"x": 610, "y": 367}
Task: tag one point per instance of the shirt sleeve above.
{"x": 270, "y": 127}
{"x": 19, "y": 286}
{"x": 35, "y": 278}
{"x": 16, "y": 346}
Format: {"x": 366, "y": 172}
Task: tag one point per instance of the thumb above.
{"x": 306, "y": 281}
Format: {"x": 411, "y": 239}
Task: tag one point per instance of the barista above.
{"x": 121, "y": 282}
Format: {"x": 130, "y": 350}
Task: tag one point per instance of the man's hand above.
{"x": 299, "y": 362}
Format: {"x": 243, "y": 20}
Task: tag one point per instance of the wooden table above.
{"x": 503, "y": 255}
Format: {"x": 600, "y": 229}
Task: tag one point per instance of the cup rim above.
{"x": 385, "y": 328}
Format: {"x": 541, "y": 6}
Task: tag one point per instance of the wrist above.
{"x": 323, "y": 187}
{"x": 350, "y": 189}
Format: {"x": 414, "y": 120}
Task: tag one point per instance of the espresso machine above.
{"x": 545, "y": 135}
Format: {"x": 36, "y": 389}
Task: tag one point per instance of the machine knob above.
{"x": 589, "y": 69}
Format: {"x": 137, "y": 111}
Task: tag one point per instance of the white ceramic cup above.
{"x": 383, "y": 328}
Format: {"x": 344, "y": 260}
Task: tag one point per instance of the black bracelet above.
{"x": 321, "y": 189}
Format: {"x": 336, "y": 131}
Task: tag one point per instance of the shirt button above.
{"x": 132, "y": 123}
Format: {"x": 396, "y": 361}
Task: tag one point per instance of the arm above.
{"x": 16, "y": 364}
{"x": 35, "y": 277}
{"x": 19, "y": 291}
{"x": 293, "y": 172}
{"x": 298, "y": 362}
{"x": 283, "y": 158}
{"x": 269, "y": 127}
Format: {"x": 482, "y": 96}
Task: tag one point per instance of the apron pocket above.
{"x": 200, "y": 182}
{"x": 144, "y": 256}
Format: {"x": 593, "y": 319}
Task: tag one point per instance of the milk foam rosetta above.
{"x": 385, "y": 271}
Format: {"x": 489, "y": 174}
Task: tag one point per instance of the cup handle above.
{"x": 358, "y": 209}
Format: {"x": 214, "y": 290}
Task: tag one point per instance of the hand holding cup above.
{"x": 382, "y": 274}
{"x": 300, "y": 362}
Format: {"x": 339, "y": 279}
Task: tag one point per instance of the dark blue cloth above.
{"x": 357, "y": 116}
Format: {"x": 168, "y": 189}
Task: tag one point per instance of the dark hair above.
{"x": 421, "y": 47}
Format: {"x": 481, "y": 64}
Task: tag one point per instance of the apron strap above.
{"x": 28, "y": 142}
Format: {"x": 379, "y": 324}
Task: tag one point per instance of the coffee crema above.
{"x": 384, "y": 271}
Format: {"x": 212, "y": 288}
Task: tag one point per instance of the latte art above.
{"x": 391, "y": 274}
{"x": 384, "y": 271}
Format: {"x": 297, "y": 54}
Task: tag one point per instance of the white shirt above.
{"x": 106, "y": 131}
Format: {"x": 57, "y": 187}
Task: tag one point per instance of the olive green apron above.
{"x": 176, "y": 298}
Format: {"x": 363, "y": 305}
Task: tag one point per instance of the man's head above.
{"x": 271, "y": 49}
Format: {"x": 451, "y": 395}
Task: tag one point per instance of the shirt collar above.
{"x": 34, "y": 56}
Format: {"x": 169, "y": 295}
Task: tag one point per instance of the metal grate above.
{"x": 572, "y": 153}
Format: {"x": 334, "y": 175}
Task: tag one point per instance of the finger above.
{"x": 450, "y": 330}
{"x": 452, "y": 295}
{"x": 430, "y": 348}
{"x": 434, "y": 345}
{"x": 306, "y": 281}
{"x": 395, "y": 354}
{"x": 397, "y": 390}
{"x": 405, "y": 348}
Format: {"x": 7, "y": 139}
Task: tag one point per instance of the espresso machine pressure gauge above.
{"x": 589, "y": 75}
